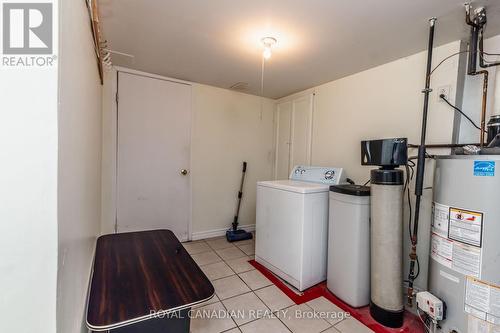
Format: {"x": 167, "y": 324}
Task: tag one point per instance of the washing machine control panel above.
{"x": 322, "y": 175}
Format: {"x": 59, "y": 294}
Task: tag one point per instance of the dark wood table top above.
{"x": 139, "y": 272}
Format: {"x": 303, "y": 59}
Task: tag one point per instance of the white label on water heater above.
{"x": 482, "y": 300}
{"x": 442, "y": 250}
{"x": 466, "y": 259}
{"x": 459, "y": 257}
{"x": 440, "y": 219}
{"x": 456, "y": 239}
{"x": 476, "y": 325}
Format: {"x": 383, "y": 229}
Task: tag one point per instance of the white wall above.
{"x": 228, "y": 128}
{"x": 383, "y": 102}
{"x": 79, "y": 177}
{"x": 28, "y": 196}
{"x": 108, "y": 163}
{"x": 473, "y": 94}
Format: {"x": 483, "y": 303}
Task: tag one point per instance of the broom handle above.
{"x": 240, "y": 194}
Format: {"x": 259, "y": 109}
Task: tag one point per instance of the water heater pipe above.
{"x": 484, "y": 103}
{"x": 477, "y": 24}
{"x": 444, "y": 145}
{"x": 419, "y": 182}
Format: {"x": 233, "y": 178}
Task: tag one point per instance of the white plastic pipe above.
{"x": 496, "y": 93}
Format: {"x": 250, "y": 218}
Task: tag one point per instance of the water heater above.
{"x": 464, "y": 270}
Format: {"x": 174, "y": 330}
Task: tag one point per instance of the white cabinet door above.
{"x": 154, "y": 131}
{"x": 283, "y": 123}
{"x": 300, "y": 150}
{"x": 293, "y": 135}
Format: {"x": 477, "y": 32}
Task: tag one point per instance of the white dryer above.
{"x": 292, "y": 224}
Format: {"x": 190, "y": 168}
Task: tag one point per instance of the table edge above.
{"x": 145, "y": 317}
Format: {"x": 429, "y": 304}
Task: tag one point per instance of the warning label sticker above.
{"x": 466, "y": 259}
{"x": 457, "y": 256}
{"x": 465, "y": 226}
{"x": 482, "y": 300}
{"x": 457, "y": 239}
{"x": 476, "y": 325}
{"x": 440, "y": 219}
{"x": 442, "y": 250}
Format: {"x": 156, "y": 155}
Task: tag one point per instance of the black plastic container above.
{"x": 386, "y": 153}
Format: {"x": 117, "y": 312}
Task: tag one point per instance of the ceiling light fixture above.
{"x": 268, "y": 43}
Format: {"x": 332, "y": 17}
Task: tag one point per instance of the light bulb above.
{"x": 268, "y": 43}
{"x": 267, "y": 53}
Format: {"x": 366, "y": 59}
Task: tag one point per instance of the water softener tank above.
{"x": 464, "y": 270}
{"x": 386, "y": 239}
{"x": 386, "y": 233}
{"x": 349, "y": 232}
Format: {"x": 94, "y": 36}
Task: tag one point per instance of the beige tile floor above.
{"x": 246, "y": 301}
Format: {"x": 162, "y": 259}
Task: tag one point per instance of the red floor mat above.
{"x": 411, "y": 322}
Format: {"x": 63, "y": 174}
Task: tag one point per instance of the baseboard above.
{"x": 218, "y": 232}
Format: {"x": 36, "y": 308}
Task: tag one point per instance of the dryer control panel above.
{"x": 320, "y": 175}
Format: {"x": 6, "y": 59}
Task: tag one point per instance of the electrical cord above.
{"x": 427, "y": 328}
{"x": 410, "y": 172}
{"x": 409, "y": 177}
{"x": 444, "y": 60}
{"x": 457, "y": 53}
{"x": 427, "y": 155}
{"x": 443, "y": 97}
{"x": 418, "y": 269}
{"x": 407, "y": 190}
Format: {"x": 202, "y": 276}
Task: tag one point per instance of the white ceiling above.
{"x": 216, "y": 42}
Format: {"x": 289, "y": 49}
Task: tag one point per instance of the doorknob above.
{"x": 184, "y": 172}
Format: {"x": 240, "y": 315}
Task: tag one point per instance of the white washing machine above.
{"x": 292, "y": 224}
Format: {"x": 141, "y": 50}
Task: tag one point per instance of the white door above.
{"x": 293, "y": 135}
{"x": 153, "y": 157}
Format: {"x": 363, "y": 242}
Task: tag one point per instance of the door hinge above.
{"x": 116, "y": 98}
